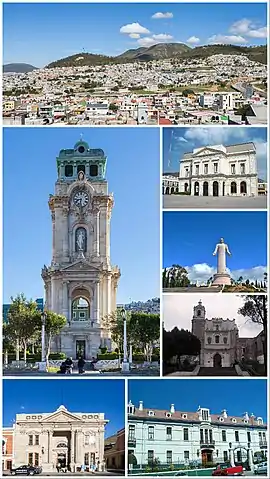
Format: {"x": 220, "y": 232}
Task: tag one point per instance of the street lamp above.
{"x": 43, "y": 349}
{"x": 125, "y": 363}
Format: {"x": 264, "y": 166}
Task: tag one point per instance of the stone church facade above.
{"x": 61, "y": 437}
{"x": 220, "y": 171}
{"x": 221, "y": 345}
{"x": 81, "y": 282}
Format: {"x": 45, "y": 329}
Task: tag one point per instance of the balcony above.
{"x": 207, "y": 444}
{"x": 263, "y": 444}
{"x": 131, "y": 442}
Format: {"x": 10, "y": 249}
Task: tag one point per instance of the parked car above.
{"x": 227, "y": 470}
{"x": 260, "y": 468}
{"x": 26, "y": 470}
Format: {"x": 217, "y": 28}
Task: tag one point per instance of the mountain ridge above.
{"x": 18, "y": 68}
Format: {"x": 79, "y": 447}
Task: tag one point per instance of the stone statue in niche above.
{"x": 80, "y": 240}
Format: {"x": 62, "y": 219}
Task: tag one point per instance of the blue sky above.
{"x": 133, "y": 177}
{"x": 189, "y": 239}
{"x": 91, "y": 395}
{"x": 41, "y": 33}
{"x": 177, "y": 141}
{"x": 236, "y": 396}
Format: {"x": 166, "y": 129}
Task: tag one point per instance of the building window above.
{"x": 169, "y": 433}
{"x": 86, "y": 440}
{"x": 93, "y": 170}
{"x": 239, "y": 456}
{"x": 248, "y": 436}
{"x": 264, "y": 436}
{"x": 242, "y": 168}
{"x": 185, "y": 434}
{"x": 80, "y": 168}
{"x": 225, "y": 340}
{"x": 217, "y": 328}
{"x": 151, "y": 432}
{"x": 224, "y": 439}
{"x": 37, "y": 440}
{"x": 215, "y": 167}
{"x": 209, "y": 340}
{"x": 233, "y": 169}
{"x": 217, "y": 339}
{"x": 197, "y": 169}
{"x": 169, "y": 457}
{"x": 150, "y": 457}
{"x": 86, "y": 459}
{"x": 186, "y": 172}
{"x": 206, "y": 435}
{"x": 237, "y": 436}
{"x": 30, "y": 443}
{"x": 201, "y": 435}
{"x": 210, "y": 436}
{"x": 186, "y": 454}
{"x": 68, "y": 171}
{"x": 205, "y": 169}
{"x": 225, "y": 456}
{"x": 205, "y": 415}
{"x": 131, "y": 432}
{"x": 30, "y": 459}
{"x": 36, "y": 459}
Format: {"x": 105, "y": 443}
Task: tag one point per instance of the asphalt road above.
{"x": 213, "y": 202}
{"x": 69, "y": 474}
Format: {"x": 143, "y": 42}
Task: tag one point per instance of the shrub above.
{"x": 103, "y": 350}
{"x": 56, "y": 356}
{"x": 107, "y": 356}
{"x": 139, "y": 357}
{"x": 155, "y": 357}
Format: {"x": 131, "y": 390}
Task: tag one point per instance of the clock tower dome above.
{"x": 80, "y": 282}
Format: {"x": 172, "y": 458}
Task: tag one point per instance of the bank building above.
{"x": 193, "y": 437}
{"x": 216, "y": 170}
{"x": 61, "y": 437}
{"x": 81, "y": 283}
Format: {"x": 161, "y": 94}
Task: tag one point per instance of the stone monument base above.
{"x": 221, "y": 278}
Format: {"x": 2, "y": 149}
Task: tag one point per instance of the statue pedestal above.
{"x": 221, "y": 279}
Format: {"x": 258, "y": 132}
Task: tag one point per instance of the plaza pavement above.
{"x": 213, "y": 202}
{"x": 75, "y": 375}
{"x": 198, "y": 289}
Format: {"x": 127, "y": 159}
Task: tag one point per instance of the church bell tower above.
{"x": 80, "y": 282}
{"x": 198, "y": 321}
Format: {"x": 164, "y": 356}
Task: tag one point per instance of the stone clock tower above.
{"x": 81, "y": 283}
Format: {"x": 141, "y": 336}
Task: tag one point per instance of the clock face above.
{"x": 81, "y": 198}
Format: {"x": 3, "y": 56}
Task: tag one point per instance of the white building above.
{"x": 220, "y": 170}
{"x": 199, "y": 437}
{"x": 81, "y": 283}
{"x": 61, "y": 437}
{"x": 218, "y": 337}
{"x": 170, "y": 185}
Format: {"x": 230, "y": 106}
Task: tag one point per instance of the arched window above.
{"x": 233, "y": 188}
{"x": 243, "y": 187}
{"x": 186, "y": 187}
{"x": 225, "y": 340}
{"x": 61, "y": 444}
{"x": 81, "y": 240}
{"x": 217, "y": 339}
{"x": 196, "y": 188}
{"x": 217, "y": 327}
{"x": 80, "y": 309}
{"x": 209, "y": 340}
{"x": 68, "y": 170}
{"x": 199, "y": 312}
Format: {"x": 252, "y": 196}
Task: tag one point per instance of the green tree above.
{"x": 145, "y": 331}
{"x": 255, "y": 309}
{"x": 113, "y": 107}
{"x": 53, "y": 326}
{"x": 187, "y": 92}
{"x": 22, "y": 326}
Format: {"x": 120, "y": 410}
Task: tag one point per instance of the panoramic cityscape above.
{"x": 148, "y": 76}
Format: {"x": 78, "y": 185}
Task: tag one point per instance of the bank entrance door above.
{"x": 62, "y": 459}
{"x": 80, "y": 349}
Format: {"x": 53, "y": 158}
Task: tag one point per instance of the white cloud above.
{"x": 215, "y": 136}
{"x": 160, "y": 15}
{"x": 134, "y": 35}
{"x": 227, "y": 39}
{"x": 178, "y": 311}
{"x": 22, "y": 408}
{"x": 259, "y": 33}
{"x": 247, "y": 28}
{"x": 193, "y": 40}
{"x": 202, "y": 272}
{"x": 154, "y": 39}
{"x": 134, "y": 28}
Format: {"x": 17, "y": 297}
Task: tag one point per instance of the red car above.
{"x": 227, "y": 470}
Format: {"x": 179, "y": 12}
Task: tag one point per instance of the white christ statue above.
{"x": 80, "y": 241}
{"x": 221, "y": 250}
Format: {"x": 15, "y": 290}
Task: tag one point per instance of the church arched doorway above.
{"x": 205, "y": 188}
{"x": 233, "y": 188}
{"x": 215, "y": 188}
{"x": 217, "y": 361}
{"x": 186, "y": 187}
{"x": 167, "y": 191}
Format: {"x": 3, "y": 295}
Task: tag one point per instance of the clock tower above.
{"x": 81, "y": 283}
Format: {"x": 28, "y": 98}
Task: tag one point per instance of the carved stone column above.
{"x": 65, "y": 299}
{"x": 53, "y": 236}
{"x": 96, "y": 301}
{"x": 96, "y": 232}
{"x": 72, "y": 451}
{"x": 65, "y": 213}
